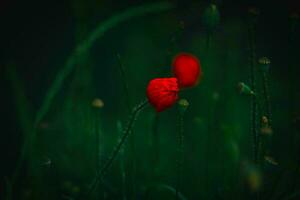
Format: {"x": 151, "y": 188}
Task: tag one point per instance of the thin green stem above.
{"x": 101, "y": 173}
{"x": 155, "y": 139}
{"x": 132, "y": 139}
{"x": 254, "y": 99}
{"x": 180, "y": 154}
{"x": 124, "y": 81}
{"x": 254, "y": 104}
{"x": 122, "y": 163}
{"x": 267, "y": 97}
{"x": 208, "y": 40}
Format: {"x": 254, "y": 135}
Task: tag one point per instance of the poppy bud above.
{"x": 244, "y": 89}
{"x": 253, "y": 11}
{"x": 211, "y": 17}
{"x": 264, "y": 63}
{"x": 253, "y": 14}
{"x": 97, "y": 103}
{"x": 270, "y": 160}
{"x": 162, "y": 93}
{"x": 265, "y": 129}
{"x": 187, "y": 70}
{"x": 183, "y": 105}
{"x": 293, "y": 24}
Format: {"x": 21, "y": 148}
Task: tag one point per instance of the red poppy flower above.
{"x": 162, "y": 92}
{"x": 187, "y": 69}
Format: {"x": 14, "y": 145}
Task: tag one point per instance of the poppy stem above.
{"x": 124, "y": 80}
{"x": 101, "y": 173}
{"x": 132, "y": 139}
{"x": 155, "y": 141}
{"x": 266, "y": 143}
{"x": 208, "y": 40}
{"x": 180, "y": 154}
{"x": 254, "y": 99}
{"x": 122, "y": 163}
{"x": 183, "y": 104}
{"x": 254, "y": 104}
{"x": 267, "y": 97}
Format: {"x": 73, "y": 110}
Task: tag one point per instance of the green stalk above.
{"x": 254, "y": 102}
{"x": 101, "y": 173}
{"x": 180, "y": 155}
{"x": 254, "y": 105}
{"x": 267, "y": 97}
{"x": 155, "y": 141}
{"x": 122, "y": 163}
{"x": 208, "y": 40}
{"x": 97, "y": 139}
{"x": 124, "y": 82}
{"x": 182, "y": 105}
{"x": 132, "y": 138}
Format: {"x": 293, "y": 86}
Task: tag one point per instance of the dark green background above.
{"x": 38, "y": 36}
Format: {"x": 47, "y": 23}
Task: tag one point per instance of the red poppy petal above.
{"x": 187, "y": 70}
{"x": 162, "y": 93}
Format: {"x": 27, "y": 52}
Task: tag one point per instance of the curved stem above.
{"x": 101, "y": 29}
{"x": 70, "y": 63}
{"x": 87, "y": 44}
{"x": 101, "y": 173}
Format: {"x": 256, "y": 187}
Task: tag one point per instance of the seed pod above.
{"x": 253, "y": 14}
{"x": 264, "y": 64}
{"x": 244, "y": 89}
{"x": 265, "y": 129}
{"x": 97, "y": 103}
{"x": 293, "y": 23}
{"x": 183, "y": 105}
{"x": 211, "y": 17}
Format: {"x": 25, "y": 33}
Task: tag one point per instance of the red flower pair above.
{"x": 162, "y": 93}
